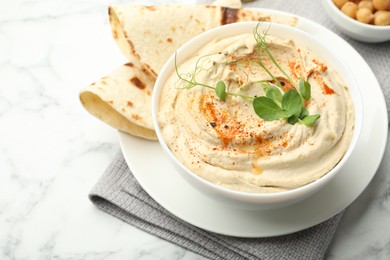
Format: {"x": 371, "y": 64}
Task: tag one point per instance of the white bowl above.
{"x": 355, "y": 29}
{"x": 244, "y": 199}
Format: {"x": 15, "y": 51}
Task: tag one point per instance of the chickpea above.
{"x": 381, "y": 5}
{"x": 339, "y": 3}
{"x": 382, "y": 18}
{"x": 350, "y": 9}
{"x": 364, "y": 15}
{"x": 366, "y": 4}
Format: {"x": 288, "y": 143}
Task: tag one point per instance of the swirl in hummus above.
{"x": 227, "y": 144}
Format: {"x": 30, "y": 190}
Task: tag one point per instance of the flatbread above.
{"x": 122, "y": 99}
{"x": 153, "y": 33}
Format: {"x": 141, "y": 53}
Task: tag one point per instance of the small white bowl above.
{"x": 243, "y": 199}
{"x": 355, "y": 29}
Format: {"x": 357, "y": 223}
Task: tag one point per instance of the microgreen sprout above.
{"x": 278, "y": 103}
{"x": 189, "y": 81}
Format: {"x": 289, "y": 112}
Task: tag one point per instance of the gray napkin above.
{"x": 118, "y": 193}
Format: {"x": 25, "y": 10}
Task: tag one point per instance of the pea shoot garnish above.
{"x": 278, "y": 103}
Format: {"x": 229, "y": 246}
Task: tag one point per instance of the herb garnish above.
{"x": 277, "y": 102}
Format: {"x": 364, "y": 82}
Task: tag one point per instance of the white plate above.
{"x": 153, "y": 170}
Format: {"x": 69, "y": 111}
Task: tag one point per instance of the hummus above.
{"x": 228, "y": 144}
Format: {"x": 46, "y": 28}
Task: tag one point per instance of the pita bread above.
{"x": 154, "y": 33}
{"x": 123, "y": 100}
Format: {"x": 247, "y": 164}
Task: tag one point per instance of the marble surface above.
{"x": 52, "y": 151}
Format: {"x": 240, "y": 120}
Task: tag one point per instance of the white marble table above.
{"x": 52, "y": 151}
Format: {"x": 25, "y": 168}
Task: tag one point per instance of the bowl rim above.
{"x": 379, "y": 28}
{"x": 307, "y": 188}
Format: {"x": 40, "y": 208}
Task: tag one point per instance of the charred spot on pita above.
{"x": 151, "y": 70}
{"x": 115, "y": 34}
{"x": 129, "y": 64}
{"x": 229, "y": 15}
{"x": 136, "y": 117}
{"x": 148, "y": 74}
{"x": 151, "y": 8}
{"x": 137, "y": 82}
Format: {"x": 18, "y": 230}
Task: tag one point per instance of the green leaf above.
{"x": 292, "y": 103}
{"x": 274, "y": 93}
{"x": 292, "y": 119}
{"x": 304, "y": 112}
{"x": 220, "y": 90}
{"x": 305, "y": 89}
{"x": 267, "y": 109}
{"x": 310, "y": 119}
